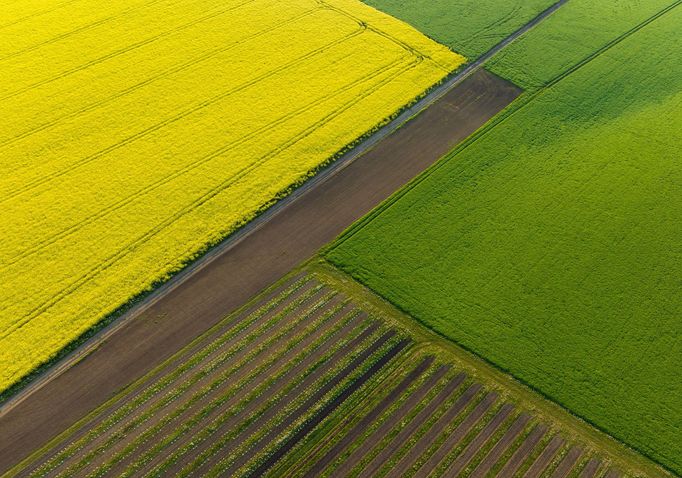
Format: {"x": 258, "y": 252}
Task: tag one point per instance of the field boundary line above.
{"x": 503, "y": 116}
{"x": 336, "y": 163}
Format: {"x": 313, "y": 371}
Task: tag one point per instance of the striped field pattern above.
{"x": 304, "y": 382}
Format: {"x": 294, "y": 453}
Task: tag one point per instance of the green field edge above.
{"x": 622, "y": 456}
{"x": 514, "y": 107}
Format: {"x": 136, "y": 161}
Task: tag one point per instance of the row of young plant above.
{"x": 434, "y": 376}
{"x": 326, "y": 393}
{"x": 326, "y": 434}
{"x": 242, "y": 369}
{"x": 253, "y": 392}
{"x": 370, "y": 454}
{"x": 126, "y": 407}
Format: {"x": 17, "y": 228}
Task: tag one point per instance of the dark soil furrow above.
{"x": 412, "y": 427}
{"x": 523, "y": 452}
{"x": 591, "y": 468}
{"x": 326, "y": 410}
{"x": 299, "y": 411}
{"x": 566, "y": 465}
{"x": 223, "y": 414}
{"x": 501, "y": 447}
{"x": 231, "y": 421}
{"x": 485, "y": 435}
{"x": 389, "y": 424}
{"x": 368, "y": 419}
{"x": 425, "y": 442}
{"x": 247, "y": 263}
{"x": 545, "y": 457}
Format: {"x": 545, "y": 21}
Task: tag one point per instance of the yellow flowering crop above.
{"x": 136, "y": 133}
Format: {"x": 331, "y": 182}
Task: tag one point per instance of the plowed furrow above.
{"x": 328, "y": 408}
{"x": 389, "y": 424}
{"x": 368, "y": 419}
{"x": 425, "y": 442}
{"x": 545, "y": 458}
{"x": 568, "y": 462}
{"x": 591, "y": 468}
{"x": 523, "y": 452}
{"x": 412, "y": 427}
{"x": 483, "y": 437}
{"x": 312, "y": 400}
{"x": 501, "y": 447}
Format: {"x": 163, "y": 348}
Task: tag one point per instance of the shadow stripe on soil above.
{"x": 328, "y": 408}
{"x": 368, "y": 419}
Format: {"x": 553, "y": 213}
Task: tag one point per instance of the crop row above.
{"x": 307, "y": 383}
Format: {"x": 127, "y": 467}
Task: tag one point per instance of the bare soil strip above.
{"x": 389, "y": 424}
{"x": 226, "y": 427}
{"x": 385, "y": 455}
{"x": 591, "y": 468}
{"x": 234, "y": 274}
{"x": 200, "y": 443}
{"x": 453, "y": 439}
{"x": 425, "y": 442}
{"x": 613, "y": 474}
{"x": 501, "y": 447}
{"x": 545, "y": 458}
{"x": 234, "y": 337}
{"x": 566, "y": 465}
{"x": 368, "y": 419}
{"x": 329, "y": 407}
{"x": 480, "y": 441}
{"x": 277, "y": 380}
{"x": 523, "y": 452}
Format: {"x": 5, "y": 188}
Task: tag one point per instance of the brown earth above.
{"x": 240, "y": 271}
{"x": 390, "y": 423}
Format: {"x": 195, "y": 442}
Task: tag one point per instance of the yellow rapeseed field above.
{"x": 134, "y": 134}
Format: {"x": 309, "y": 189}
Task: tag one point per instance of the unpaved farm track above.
{"x": 308, "y": 382}
{"x": 230, "y": 278}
